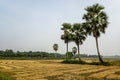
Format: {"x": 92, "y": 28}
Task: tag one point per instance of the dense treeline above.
{"x": 30, "y": 55}
{"x": 10, "y": 54}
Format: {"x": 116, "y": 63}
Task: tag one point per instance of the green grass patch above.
{"x": 83, "y": 62}
{"x": 99, "y": 63}
{"x": 74, "y": 62}
{"x": 5, "y": 76}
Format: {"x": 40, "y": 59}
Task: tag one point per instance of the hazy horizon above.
{"x": 34, "y": 25}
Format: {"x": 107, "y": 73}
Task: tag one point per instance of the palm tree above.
{"x": 96, "y": 22}
{"x": 74, "y": 50}
{"x": 66, "y": 36}
{"x": 55, "y": 47}
{"x": 79, "y": 35}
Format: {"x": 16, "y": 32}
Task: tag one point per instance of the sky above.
{"x": 35, "y": 25}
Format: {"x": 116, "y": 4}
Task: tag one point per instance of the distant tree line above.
{"x": 10, "y": 54}
{"x": 86, "y": 56}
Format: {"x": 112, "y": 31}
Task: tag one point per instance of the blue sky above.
{"x": 35, "y": 25}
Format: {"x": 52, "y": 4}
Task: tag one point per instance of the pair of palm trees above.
{"x": 74, "y": 33}
{"x": 96, "y": 22}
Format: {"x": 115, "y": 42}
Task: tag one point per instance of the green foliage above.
{"x": 55, "y": 47}
{"x": 79, "y": 34}
{"x": 30, "y": 55}
{"x": 74, "y": 50}
{"x": 96, "y": 21}
{"x": 39, "y": 55}
{"x": 5, "y": 76}
{"x": 99, "y": 63}
{"x": 83, "y": 62}
{"x": 66, "y": 36}
{"x": 74, "y": 62}
{"x": 70, "y": 55}
{"x": 66, "y": 26}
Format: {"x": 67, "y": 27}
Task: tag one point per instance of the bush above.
{"x": 74, "y": 62}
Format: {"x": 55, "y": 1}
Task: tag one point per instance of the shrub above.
{"x": 74, "y": 62}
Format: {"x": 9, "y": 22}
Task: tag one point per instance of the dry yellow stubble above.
{"x": 53, "y": 69}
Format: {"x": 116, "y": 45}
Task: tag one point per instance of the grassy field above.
{"x": 54, "y": 70}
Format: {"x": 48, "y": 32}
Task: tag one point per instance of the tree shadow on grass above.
{"x": 84, "y": 62}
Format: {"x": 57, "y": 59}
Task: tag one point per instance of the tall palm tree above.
{"x": 96, "y": 22}
{"x": 66, "y": 36}
{"x": 79, "y": 35}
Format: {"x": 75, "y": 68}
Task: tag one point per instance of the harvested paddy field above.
{"x": 54, "y": 70}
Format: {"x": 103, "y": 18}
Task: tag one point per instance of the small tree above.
{"x": 55, "y": 47}
{"x": 74, "y": 50}
{"x": 70, "y": 55}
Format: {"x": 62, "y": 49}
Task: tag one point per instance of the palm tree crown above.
{"x": 79, "y": 34}
{"x": 74, "y": 50}
{"x": 67, "y": 35}
{"x": 96, "y": 20}
{"x": 55, "y": 47}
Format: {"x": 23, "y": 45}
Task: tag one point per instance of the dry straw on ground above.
{"x": 53, "y": 70}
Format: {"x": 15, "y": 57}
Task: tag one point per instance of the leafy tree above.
{"x": 74, "y": 50}
{"x": 9, "y": 52}
{"x": 96, "y": 21}
{"x": 79, "y": 35}
{"x": 70, "y": 55}
{"x": 67, "y": 35}
{"x": 55, "y": 47}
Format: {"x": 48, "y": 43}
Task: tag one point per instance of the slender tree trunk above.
{"x": 67, "y": 51}
{"x": 78, "y": 52}
{"x": 55, "y": 54}
{"x": 100, "y": 59}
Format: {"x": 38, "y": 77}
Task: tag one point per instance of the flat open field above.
{"x": 54, "y": 70}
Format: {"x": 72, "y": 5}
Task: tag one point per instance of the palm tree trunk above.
{"x": 67, "y": 51}
{"x": 55, "y": 54}
{"x": 78, "y": 53}
{"x": 100, "y": 59}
